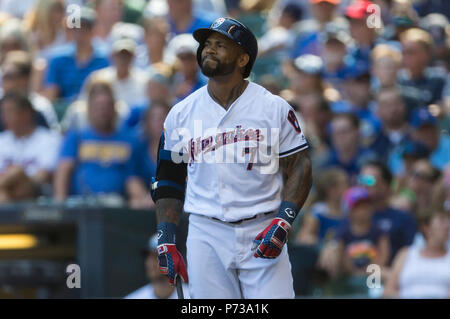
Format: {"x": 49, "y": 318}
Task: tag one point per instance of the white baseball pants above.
{"x": 221, "y": 265}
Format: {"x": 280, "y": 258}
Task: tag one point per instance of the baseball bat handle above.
{"x": 179, "y": 287}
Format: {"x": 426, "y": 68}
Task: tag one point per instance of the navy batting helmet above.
{"x": 233, "y": 30}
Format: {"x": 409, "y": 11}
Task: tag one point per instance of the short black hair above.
{"x": 382, "y": 168}
{"x": 21, "y": 100}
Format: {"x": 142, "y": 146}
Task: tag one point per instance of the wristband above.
{"x": 166, "y": 233}
{"x": 288, "y": 211}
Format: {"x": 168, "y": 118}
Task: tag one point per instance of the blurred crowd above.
{"x": 85, "y": 87}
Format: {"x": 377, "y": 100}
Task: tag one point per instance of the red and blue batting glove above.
{"x": 269, "y": 243}
{"x": 170, "y": 260}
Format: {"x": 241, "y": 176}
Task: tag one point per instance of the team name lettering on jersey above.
{"x": 206, "y": 145}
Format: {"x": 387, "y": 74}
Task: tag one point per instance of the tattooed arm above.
{"x": 169, "y": 210}
{"x": 297, "y": 176}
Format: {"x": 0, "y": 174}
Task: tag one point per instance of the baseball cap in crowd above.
{"x": 358, "y": 9}
{"x": 422, "y": 117}
{"x": 127, "y": 30}
{"x": 353, "y": 196}
{"x": 335, "y": 2}
{"x": 152, "y": 245}
{"x": 332, "y": 33}
{"x": 88, "y": 17}
{"x": 159, "y": 77}
{"x": 309, "y": 64}
{"x": 124, "y": 44}
{"x": 181, "y": 44}
{"x": 437, "y": 25}
{"x": 357, "y": 73}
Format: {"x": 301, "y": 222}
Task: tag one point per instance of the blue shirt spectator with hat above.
{"x": 364, "y": 36}
{"x": 357, "y": 99}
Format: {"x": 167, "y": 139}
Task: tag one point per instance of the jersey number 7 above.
{"x": 252, "y": 152}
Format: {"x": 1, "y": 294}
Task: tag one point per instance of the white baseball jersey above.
{"x": 233, "y": 169}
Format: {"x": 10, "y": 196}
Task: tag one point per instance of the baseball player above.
{"x": 233, "y": 156}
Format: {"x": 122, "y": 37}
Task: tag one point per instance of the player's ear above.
{"x": 243, "y": 59}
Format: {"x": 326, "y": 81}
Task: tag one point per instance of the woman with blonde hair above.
{"x": 45, "y": 26}
{"x": 45, "y": 30}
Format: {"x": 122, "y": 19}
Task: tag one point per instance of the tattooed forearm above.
{"x": 169, "y": 210}
{"x": 297, "y": 175}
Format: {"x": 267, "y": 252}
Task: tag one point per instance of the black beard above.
{"x": 220, "y": 69}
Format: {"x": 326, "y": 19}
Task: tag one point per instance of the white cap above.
{"x": 183, "y": 43}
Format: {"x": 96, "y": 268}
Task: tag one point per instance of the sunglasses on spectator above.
{"x": 366, "y": 180}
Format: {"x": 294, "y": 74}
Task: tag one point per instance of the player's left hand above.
{"x": 270, "y": 241}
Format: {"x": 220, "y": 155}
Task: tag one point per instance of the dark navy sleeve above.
{"x": 409, "y": 229}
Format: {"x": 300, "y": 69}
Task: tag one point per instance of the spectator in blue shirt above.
{"x": 71, "y": 65}
{"x": 100, "y": 159}
{"x": 395, "y": 129}
{"x": 421, "y": 85}
{"x": 357, "y": 13}
{"x": 183, "y": 19}
{"x": 347, "y": 152}
{"x": 357, "y": 99}
{"x": 399, "y": 225}
{"x": 334, "y": 52}
{"x": 426, "y": 132}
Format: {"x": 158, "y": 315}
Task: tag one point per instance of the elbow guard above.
{"x": 170, "y": 180}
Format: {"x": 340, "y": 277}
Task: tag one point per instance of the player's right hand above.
{"x": 170, "y": 260}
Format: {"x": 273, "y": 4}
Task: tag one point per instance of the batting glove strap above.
{"x": 269, "y": 243}
{"x": 171, "y": 262}
{"x": 166, "y": 233}
{"x": 288, "y": 211}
